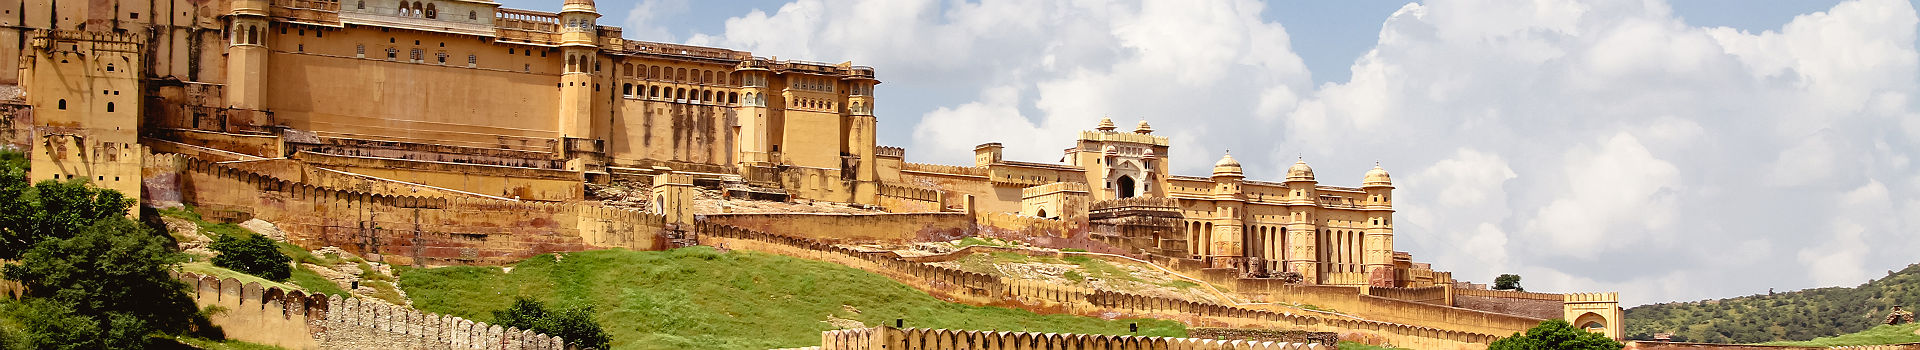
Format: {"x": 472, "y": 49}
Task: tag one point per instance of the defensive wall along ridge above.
{"x": 295, "y": 320}
{"x": 915, "y": 338}
{"x": 980, "y": 289}
{"x": 1659, "y": 345}
{"x": 400, "y": 229}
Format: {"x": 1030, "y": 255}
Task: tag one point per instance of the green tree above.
{"x": 48, "y": 210}
{"x": 254, "y": 254}
{"x": 575, "y": 325}
{"x": 1508, "y": 282}
{"x": 1556, "y": 334}
{"x": 114, "y": 272}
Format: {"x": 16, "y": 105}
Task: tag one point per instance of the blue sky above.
{"x": 1670, "y": 150}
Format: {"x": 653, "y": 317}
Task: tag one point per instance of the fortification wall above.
{"x": 888, "y": 228}
{"x": 1428, "y": 295}
{"x": 294, "y": 320}
{"x": 916, "y": 338}
{"x": 903, "y": 199}
{"x": 978, "y": 289}
{"x": 302, "y": 172}
{"x": 401, "y": 229}
{"x": 1537, "y": 305}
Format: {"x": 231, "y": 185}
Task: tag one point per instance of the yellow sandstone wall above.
{"x": 855, "y": 228}
{"x": 916, "y": 338}
{"x": 295, "y": 320}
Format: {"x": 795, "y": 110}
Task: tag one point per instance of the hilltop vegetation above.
{"x": 1790, "y": 316}
{"x": 698, "y": 297}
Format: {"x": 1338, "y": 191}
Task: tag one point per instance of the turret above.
{"x": 1378, "y": 242}
{"x": 1302, "y": 231}
{"x": 247, "y": 54}
{"x": 578, "y": 46}
{"x": 986, "y": 154}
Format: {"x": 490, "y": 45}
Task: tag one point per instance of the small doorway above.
{"x": 1124, "y": 186}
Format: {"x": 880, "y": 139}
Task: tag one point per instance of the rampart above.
{"x": 916, "y": 338}
{"x": 855, "y": 228}
{"x": 295, "y": 320}
{"x": 980, "y": 289}
{"x": 400, "y": 229}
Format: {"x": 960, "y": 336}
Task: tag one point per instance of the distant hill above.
{"x": 1789, "y": 316}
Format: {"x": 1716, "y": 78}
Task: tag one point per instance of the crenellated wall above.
{"x": 406, "y": 230}
{"x": 916, "y": 338}
{"x": 294, "y": 320}
{"x": 888, "y": 228}
{"x": 1660, "y": 345}
{"x": 979, "y": 289}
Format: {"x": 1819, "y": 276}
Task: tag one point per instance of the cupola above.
{"x": 1300, "y": 171}
{"x": 1106, "y": 124}
{"x": 1227, "y": 167}
{"x": 1143, "y": 128}
{"x": 1377, "y": 177}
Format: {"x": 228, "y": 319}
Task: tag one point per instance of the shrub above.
{"x": 253, "y": 254}
{"x": 1556, "y": 335}
{"x": 575, "y": 325}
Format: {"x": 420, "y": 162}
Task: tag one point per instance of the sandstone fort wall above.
{"x": 1658, "y": 345}
{"x": 888, "y": 228}
{"x": 401, "y": 229}
{"x": 916, "y": 338}
{"x": 295, "y": 320}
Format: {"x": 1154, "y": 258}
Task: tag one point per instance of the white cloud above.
{"x": 1607, "y": 140}
{"x": 643, "y": 21}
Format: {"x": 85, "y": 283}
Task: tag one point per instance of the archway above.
{"x": 1591, "y": 322}
{"x": 1124, "y": 186}
{"x": 1042, "y": 213}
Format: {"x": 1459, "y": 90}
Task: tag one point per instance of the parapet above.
{"x": 914, "y": 338}
{"x": 1052, "y": 188}
{"x": 889, "y": 152}
{"x": 1606, "y": 297}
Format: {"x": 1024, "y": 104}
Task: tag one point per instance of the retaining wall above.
{"x": 295, "y": 320}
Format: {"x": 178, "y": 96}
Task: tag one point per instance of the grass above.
{"x": 207, "y": 268}
{"x": 991, "y": 242}
{"x": 697, "y": 297}
{"x": 313, "y": 283}
{"x": 302, "y": 278}
{"x": 1880, "y": 335}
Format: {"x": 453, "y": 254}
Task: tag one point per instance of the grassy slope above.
{"x": 1796, "y": 315}
{"x": 301, "y": 278}
{"x": 1881, "y": 335}
{"x": 699, "y": 298}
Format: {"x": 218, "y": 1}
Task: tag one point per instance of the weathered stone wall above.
{"x": 903, "y": 199}
{"x": 1323, "y": 338}
{"x": 979, "y": 289}
{"x": 887, "y": 228}
{"x": 916, "y": 338}
{"x": 401, "y": 229}
{"x": 1537, "y": 305}
{"x": 294, "y": 320}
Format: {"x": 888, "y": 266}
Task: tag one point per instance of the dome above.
{"x": 1110, "y": 150}
{"x": 1300, "y": 171}
{"x": 1227, "y": 166}
{"x": 1106, "y": 124}
{"x": 1377, "y": 177}
{"x": 1143, "y": 128}
{"x": 1148, "y": 154}
{"x": 577, "y": 6}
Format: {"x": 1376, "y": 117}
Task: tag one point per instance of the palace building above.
{"x": 464, "y": 96}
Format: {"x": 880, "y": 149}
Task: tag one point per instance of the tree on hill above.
{"x": 575, "y": 325}
{"x": 1556, "y": 334}
{"x": 1782, "y": 316}
{"x": 1508, "y": 282}
{"x": 94, "y": 278}
{"x": 254, "y": 254}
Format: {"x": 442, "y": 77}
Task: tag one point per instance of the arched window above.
{"x": 405, "y": 9}
{"x": 432, "y": 12}
{"x": 682, "y": 76}
{"x": 626, "y": 89}
{"x": 362, "y": 5}
{"x": 109, "y": 106}
{"x": 706, "y": 96}
{"x": 570, "y": 62}
{"x": 706, "y": 77}
{"x": 1124, "y": 186}
{"x": 733, "y": 98}
{"x": 680, "y": 94}
{"x": 653, "y": 92}
{"x": 253, "y": 35}
{"x": 473, "y": 15}
{"x": 653, "y": 72}
{"x": 63, "y": 104}
{"x": 626, "y": 70}
{"x": 417, "y": 8}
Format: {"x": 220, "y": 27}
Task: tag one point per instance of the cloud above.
{"x": 643, "y": 22}
{"x": 1609, "y": 140}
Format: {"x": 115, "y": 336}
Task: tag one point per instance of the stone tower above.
{"x": 85, "y": 91}
{"x": 1122, "y": 164}
{"x": 1229, "y": 241}
{"x": 1379, "y": 228}
{"x": 1302, "y": 235}
{"x": 247, "y": 54}
{"x": 579, "y": 44}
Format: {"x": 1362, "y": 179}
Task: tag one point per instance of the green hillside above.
{"x": 697, "y": 297}
{"x": 1790, "y": 316}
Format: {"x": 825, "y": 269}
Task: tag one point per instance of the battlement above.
{"x": 890, "y": 152}
{"x": 1136, "y": 202}
{"x": 1150, "y": 139}
{"x": 1051, "y": 188}
{"x": 294, "y": 319}
{"x": 944, "y": 169}
{"x": 918, "y": 338}
{"x": 1605, "y": 297}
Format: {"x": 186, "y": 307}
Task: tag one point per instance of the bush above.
{"x": 575, "y": 325}
{"x": 253, "y": 254}
{"x": 1508, "y": 282}
{"x": 1556, "y": 335}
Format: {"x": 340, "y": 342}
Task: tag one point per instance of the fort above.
{"x": 415, "y": 134}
